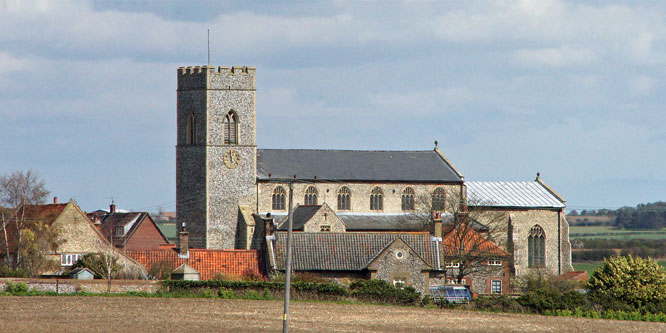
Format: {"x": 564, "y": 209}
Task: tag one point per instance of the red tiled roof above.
{"x": 40, "y": 213}
{"x": 208, "y": 262}
{"x": 473, "y": 243}
{"x": 574, "y": 276}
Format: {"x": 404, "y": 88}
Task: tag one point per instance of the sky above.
{"x": 573, "y": 90}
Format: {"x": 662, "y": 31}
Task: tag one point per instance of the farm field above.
{"x": 577, "y": 232}
{"x": 125, "y": 314}
{"x": 591, "y": 266}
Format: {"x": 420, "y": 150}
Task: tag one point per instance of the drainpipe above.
{"x": 437, "y": 240}
{"x": 559, "y": 242}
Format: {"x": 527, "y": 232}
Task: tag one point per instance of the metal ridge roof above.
{"x": 511, "y": 194}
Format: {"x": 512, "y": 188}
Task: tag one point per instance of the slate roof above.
{"x": 355, "y": 165}
{"x": 352, "y": 251}
{"x": 511, "y": 194}
{"x": 382, "y": 222}
{"x": 302, "y": 214}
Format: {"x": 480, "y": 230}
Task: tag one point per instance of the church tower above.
{"x": 215, "y": 153}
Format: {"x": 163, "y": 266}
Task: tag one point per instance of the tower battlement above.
{"x": 222, "y": 77}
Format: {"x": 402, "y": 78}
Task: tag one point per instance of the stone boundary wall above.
{"x": 68, "y": 286}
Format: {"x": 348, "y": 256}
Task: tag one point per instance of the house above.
{"x": 414, "y": 258}
{"x": 74, "y": 234}
{"x": 130, "y": 230}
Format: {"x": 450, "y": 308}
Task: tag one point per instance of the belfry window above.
{"x": 278, "y": 198}
{"x": 191, "y": 130}
{"x": 408, "y": 199}
{"x": 438, "y": 199}
{"x": 344, "y": 198}
{"x": 536, "y": 247}
{"x": 376, "y": 199}
{"x": 231, "y": 128}
{"x": 310, "y": 198}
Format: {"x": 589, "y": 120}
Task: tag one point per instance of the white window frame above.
{"x": 119, "y": 234}
{"x": 399, "y": 280}
{"x": 325, "y": 228}
{"x": 494, "y": 262}
{"x": 496, "y": 286}
{"x": 69, "y": 259}
{"x": 452, "y": 265}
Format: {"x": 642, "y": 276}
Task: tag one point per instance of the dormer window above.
{"x": 119, "y": 231}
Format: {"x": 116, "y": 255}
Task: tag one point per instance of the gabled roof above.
{"x": 350, "y": 251}
{"x": 473, "y": 243}
{"x": 130, "y": 222}
{"x": 45, "y": 214}
{"x": 511, "y": 194}
{"x": 355, "y": 165}
{"x": 301, "y": 215}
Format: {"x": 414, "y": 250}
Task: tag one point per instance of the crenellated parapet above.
{"x": 222, "y": 77}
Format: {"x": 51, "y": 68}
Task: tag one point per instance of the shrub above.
{"x": 16, "y": 288}
{"x": 382, "y": 291}
{"x": 499, "y": 303}
{"x": 8, "y": 272}
{"x": 226, "y": 293}
{"x": 630, "y": 281}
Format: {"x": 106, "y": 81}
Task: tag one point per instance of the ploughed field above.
{"x": 134, "y": 314}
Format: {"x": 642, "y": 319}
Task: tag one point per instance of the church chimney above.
{"x": 268, "y": 225}
{"x": 184, "y": 242}
{"x": 437, "y": 224}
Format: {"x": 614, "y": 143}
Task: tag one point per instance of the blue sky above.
{"x": 574, "y": 90}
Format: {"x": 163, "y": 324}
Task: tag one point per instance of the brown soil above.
{"x": 133, "y": 314}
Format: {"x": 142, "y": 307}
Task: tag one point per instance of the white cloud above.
{"x": 560, "y": 56}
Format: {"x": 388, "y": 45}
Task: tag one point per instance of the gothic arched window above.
{"x": 310, "y": 198}
{"x": 230, "y": 128}
{"x": 536, "y": 247}
{"x": 191, "y": 130}
{"x": 278, "y": 198}
{"x": 408, "y": 199}
{"x": 376, "y": 199}
{"x": 438, "y": 199}
{"x": 344, "y": 198}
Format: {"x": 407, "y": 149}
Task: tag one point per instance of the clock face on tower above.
{"x": 231, "y": 158}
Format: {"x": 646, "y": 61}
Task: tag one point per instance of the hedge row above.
{"x": 331, "y": 289}
{"x": 363, "y": 290}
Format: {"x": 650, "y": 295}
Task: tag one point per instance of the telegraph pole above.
{"x": 287, "y": 275}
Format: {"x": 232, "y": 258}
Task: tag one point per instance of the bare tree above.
{"x": 18, "y": 189}
{"x": 38, "y": 240}
{"x": 473, "y": 235}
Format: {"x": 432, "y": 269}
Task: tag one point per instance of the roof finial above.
{"x": 538, "y": 175}
{"x": 436, "y": 143}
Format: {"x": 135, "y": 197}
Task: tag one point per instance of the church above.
{"x": 356, "y": 213}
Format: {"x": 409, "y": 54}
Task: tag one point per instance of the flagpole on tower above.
{"x": 208, "y": 47}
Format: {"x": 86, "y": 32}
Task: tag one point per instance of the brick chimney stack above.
{"x": 437, "y": 224}
{"x": 112, "y": 207}
{"x": 268, "y": 225}
{"x": 55, "y": 200}
{"x": 184, "y": 242}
